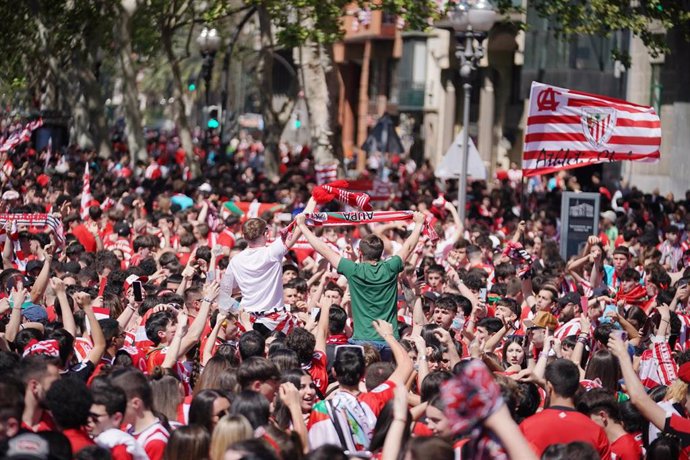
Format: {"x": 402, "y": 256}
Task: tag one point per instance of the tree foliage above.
{"x": 647, "y": 19}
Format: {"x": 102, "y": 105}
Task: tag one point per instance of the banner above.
{"x": 567, "y": 129}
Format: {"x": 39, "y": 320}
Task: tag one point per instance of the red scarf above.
{"x": 636, "y": 296}
{"x": 337, "y": 339}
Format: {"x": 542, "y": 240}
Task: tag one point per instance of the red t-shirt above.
{"x": 226, "y": 238}
{"x": 78, "y": 439}
{"x": 46, "y": 423}
{"x": 562, "y": 425}
{"x": 85, "y": 237}
{"x": 318, "y": 370}
{"x": 626, "y": 448}
{"x": 153, "y": 439}
{"x": 119, "y": 452}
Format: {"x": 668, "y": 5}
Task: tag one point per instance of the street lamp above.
{"x": 470, "y": 21}
{"x": 209, "y": 42}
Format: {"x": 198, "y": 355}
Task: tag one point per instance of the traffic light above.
{"x": 213, "y": 120}
{"x": 191, "y": 85}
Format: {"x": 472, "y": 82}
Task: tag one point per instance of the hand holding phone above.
{"x": 137, "y": 291}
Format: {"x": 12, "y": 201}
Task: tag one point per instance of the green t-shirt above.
{"x": 373, "y": 293}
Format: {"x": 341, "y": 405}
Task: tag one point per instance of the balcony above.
{"x": 364, "y": 24}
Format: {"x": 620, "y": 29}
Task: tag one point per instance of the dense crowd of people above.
{"x": 144, "y": 314}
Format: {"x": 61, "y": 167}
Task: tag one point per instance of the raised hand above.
{"x": 289, "y": 394}
{"x": 211, "y": 290}
{"x": 383, "y": 328}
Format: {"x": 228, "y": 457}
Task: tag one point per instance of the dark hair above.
{"x": 251, "y": 343}
{"x": 283, "y": 358}
{"x": 493, "y": 325}
{"x": 58, "y": 445}
{"x": 281, "y": 413}
{"x": 93, "y": 453}
{"x": 377, "y": 373}
{"x": 255, "y": 449}
{"x": 201, "y": 409}
{"x": 11, "y": 400}
{"x": 603, "y": 365}
{"x": 156, "y": 323}
{"x": 431, "y": 385}
{"x": 349, "y": 367}
{"x": 303, "y": 342}
{"x": 252, "y": 405}
{"x": 664, "y": 447}
{"x": 186, "y": 442}
{"x": 135, "y": 385}
{"x": 564, "y": 376}
{"x": 65, "y": 343}
{"x": 631, "y": 418}
{"x": 256, "y": 368}
{"x": 431, "y": 447}
{"x": 35, "y": 367}
{"x": 110, "y": 327}
{"x": 511, "y": 304}
{"x": 337, "y": 319}
{"x": 527, "y": 401}
{"x": 577, "y": 450}
{"x": 111, "y": 397}
{"x": 596, "y": 399}
{"x": 69, "y": 401}
{"x": 327, "y": 452}
{"x": 510, "y": 340}
{"x": 447, "y": 302}
{"x": 371, "y": 247}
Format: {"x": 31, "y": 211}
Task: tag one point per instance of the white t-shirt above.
{"x": 258, "y": 272}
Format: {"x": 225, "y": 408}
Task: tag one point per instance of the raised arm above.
{"x": 321, "y": 332}
{"x": 403, "y": 364}
{"x": 297, "y": 231}
{"x": 319, "y": 246}
{"x": 66, "y": 314}
{"x": 638, "y": 396}
{"x": 39, "y": 287}
{"x": 97, "y": 336}
{"x": 18, "y": 295}
{"x": 210, "y": 293}
{"x": 412, "y": 240}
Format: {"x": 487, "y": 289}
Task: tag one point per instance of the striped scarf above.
{"x": 37, "y": 221}
{"x": 330, "y": 219}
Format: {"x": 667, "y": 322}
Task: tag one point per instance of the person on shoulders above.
{"x": 372, "y": 282}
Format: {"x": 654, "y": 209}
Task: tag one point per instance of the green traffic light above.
{"x": 213, "y": 123}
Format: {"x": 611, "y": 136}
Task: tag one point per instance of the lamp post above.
{"x": 470, "y": 21}
{"x": 209, "y": 42}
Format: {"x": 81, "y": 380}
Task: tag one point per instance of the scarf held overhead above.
{"x": 36, "y": 221}
{"x": 331, "y": 219}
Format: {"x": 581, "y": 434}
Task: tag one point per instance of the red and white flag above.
{"x": 567, "y": 129}
{"x": 85, "y": 194}
{"x": 326, "y": 173}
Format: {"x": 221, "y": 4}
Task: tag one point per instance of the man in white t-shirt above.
{"x": 258, "y": 272}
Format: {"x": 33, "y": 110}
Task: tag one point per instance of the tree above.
{"x": 312, "y": 26}
{"x": 644, "y": 18}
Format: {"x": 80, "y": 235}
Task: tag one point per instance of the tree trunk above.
{"x": 179, "y": 107}
{"x": 48, "y": 98}
{"x": 315, "y": 66}
{"x": 276, "y": 109}
{"x": 133, "y": 119}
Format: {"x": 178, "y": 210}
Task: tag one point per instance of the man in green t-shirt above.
{"x": 373, "y": 282}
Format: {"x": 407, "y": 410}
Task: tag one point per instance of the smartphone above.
{"x": 136, "y": 290}
{"x": 314, "y": 313}
{"x": 482, "y": 294}
{"x": 622, "y": 335}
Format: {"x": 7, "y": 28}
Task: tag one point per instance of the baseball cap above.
{"x": 610, "y": 216}
{"x": 431, "y": 295}
{"x": 205, "y": 187}
{"x": 35, "y": 313}
{"x": 28, "y": 446}
{"x": 542, "y": 319}
{"x": 571, "y": 297}
{"x": 10, "y": 195}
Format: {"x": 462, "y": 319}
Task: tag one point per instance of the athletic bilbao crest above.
{"x": 598, "y": 124}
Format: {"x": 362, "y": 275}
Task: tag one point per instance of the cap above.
{"x": 33, "y": 265}
{"x": 35, "y": 313}
{"x": 431, "y": 295}
{"x": 28, "y": 446}
{"x": 571, "y": 297}
{"x": 609, "y": 215}
{"x": 542, "y": 319}
{"x": 122, "y": 228}
{"x": 10, "y": 195}
{"x": 205, "y": 187}
{"x": 43, "y": 180}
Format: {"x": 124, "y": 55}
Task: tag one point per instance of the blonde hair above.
{"x": 229, "y": 430}
{"x": 677, "y": 391}
{"x": 252, "y": 229}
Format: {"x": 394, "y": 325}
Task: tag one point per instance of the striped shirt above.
{"x": 153, "y": 440}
